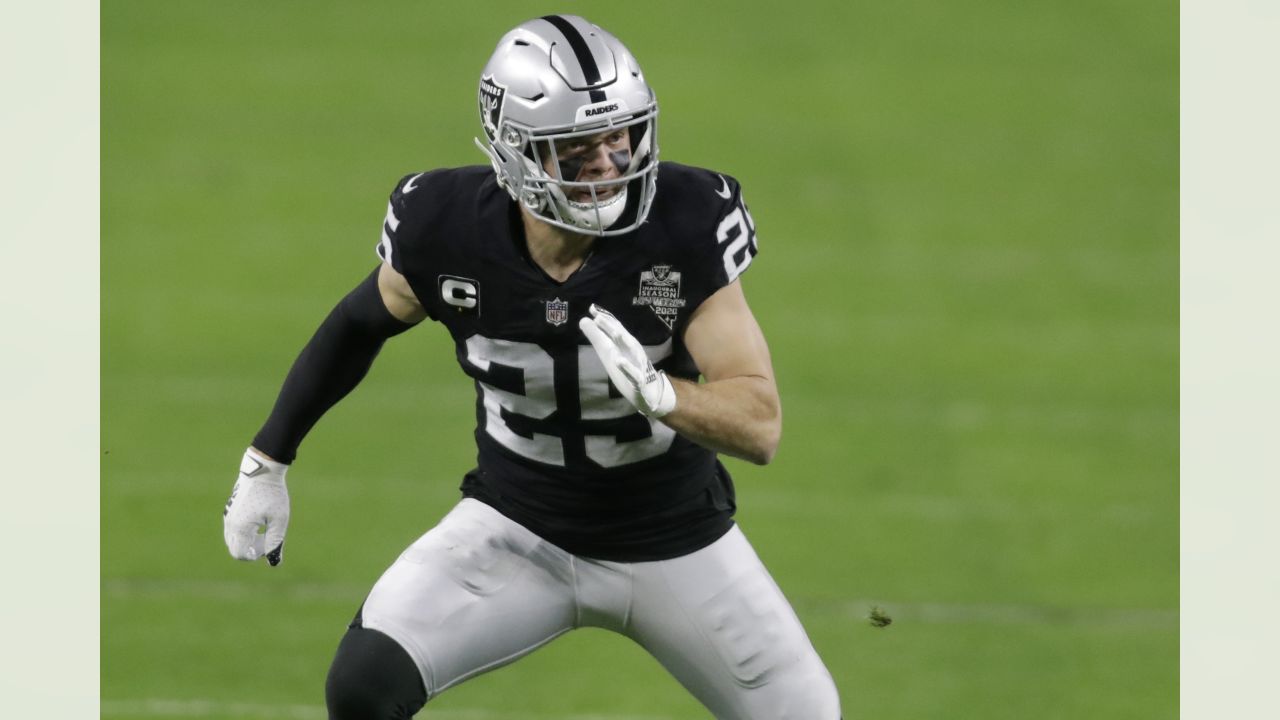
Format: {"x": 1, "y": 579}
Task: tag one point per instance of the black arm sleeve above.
{"x": 329, "y": 367}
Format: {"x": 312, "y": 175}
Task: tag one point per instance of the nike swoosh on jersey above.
{"x": 409, "y": 186}
{"x": 724, "y": 193}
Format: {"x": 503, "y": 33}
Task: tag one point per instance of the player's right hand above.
{"x": 259, "y": 502}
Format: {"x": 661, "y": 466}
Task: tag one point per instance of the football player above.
{"x": 587, "y": 287}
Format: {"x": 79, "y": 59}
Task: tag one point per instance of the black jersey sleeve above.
{"x": 402, "y": 227}
{"x": 426, "y": 234}
{"x": 405, "y": 244}
{"x": 713, "y": 233}
{"x": 408, "y": 243}
{"x": 734, "y": 233}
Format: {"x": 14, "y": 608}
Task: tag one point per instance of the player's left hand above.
{"x": 629, "y": 368}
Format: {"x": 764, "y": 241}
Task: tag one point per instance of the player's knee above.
{"x": 372, "y": 678}
{"x": 823, "y": 697}
{"x": 809, "y": 693}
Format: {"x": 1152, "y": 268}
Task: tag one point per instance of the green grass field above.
{"x": 968, "y": 276}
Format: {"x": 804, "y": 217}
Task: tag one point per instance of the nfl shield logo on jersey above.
{"x": 557, "y": 311}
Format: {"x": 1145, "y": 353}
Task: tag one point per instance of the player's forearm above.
{"x": 738, "y": 416}
{"x": 334, "y": 361}
{"x": 320, "y": 377}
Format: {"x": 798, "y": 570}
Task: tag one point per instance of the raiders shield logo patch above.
{"x": 557, "y": 312}
{"x": 660, "y": 290}
{"x": 492, "y": 97}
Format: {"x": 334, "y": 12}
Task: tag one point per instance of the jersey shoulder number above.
{"x": 705, "y": 210}
{"x": 420, "y": 208}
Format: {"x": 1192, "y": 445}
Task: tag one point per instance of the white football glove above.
{"x": 627, "y": 364}
{"x": 259, "y": 499}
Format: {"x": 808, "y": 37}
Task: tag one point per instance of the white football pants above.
{"x": 479, "y": 591}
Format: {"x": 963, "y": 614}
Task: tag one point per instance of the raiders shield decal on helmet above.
{"x": 492, "y": 96}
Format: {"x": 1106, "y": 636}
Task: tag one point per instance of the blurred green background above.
{"x": 968, "y": 277}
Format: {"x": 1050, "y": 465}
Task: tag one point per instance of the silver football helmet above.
{"x": 556, "y": 92}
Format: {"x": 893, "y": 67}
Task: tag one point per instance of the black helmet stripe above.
{"x": 578, "y": 44}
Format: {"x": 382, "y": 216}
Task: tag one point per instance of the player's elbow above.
{"x": 768, "y": 446}
{"x": 761, "y": 456}
{"x": 768, "y": 434}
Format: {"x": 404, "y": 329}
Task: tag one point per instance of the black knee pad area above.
{"x": 372, "y": 678}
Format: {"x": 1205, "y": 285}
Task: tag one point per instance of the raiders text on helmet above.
{"x": 555, "y": 80}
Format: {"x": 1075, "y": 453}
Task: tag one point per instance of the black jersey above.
{"x": 559, "y": 449}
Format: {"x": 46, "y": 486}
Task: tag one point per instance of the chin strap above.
{"x": 493, "y": 160}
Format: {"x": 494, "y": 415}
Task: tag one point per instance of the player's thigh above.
{"x": 719, "y": 623}
{"x": 472, "y": 594}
